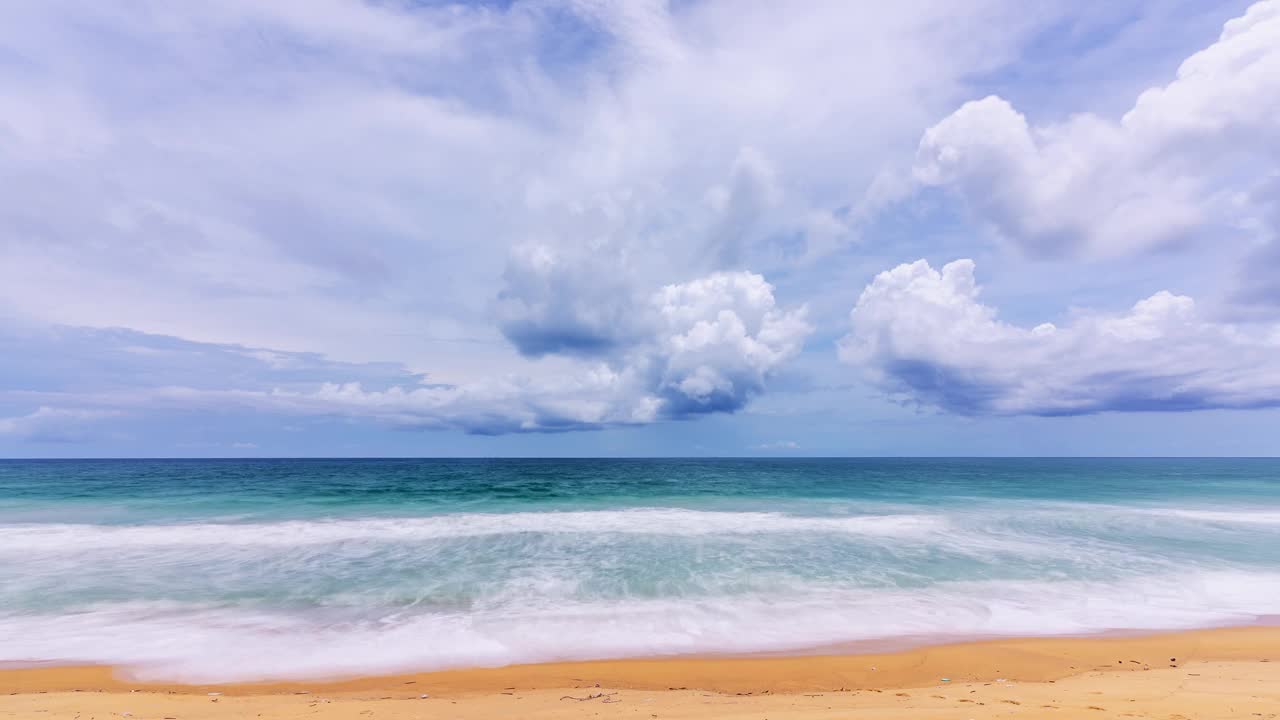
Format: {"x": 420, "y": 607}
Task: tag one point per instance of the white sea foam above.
{"x": 1222, "y": 516}
{"x": 205, "y": 601}
{"x": 640, "y": 521}
{"x": 217, "y": 643}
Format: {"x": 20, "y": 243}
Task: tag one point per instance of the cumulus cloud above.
{"x": 711, "y": 346}
{"x": 721, "y": 337}
{"x": 585, "y": 291}
{"x": 923, "y": 335}
{"x": 1174, "y": 166}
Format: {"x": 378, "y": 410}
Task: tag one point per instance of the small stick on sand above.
{"x": 589, "y": 697}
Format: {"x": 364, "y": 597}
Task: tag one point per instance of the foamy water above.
{"x": 239, "y": 571}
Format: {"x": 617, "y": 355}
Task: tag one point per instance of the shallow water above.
{"x": 233, "y": 570}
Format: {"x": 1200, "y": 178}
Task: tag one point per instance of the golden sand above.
{"x": 1226, "y": 673}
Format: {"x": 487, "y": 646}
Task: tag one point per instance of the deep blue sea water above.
{"x": 249, "y": 569}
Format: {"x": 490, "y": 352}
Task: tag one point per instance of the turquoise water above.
{"x": 234, "y": 570}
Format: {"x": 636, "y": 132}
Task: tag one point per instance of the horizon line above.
{"x": 641, "y": 457}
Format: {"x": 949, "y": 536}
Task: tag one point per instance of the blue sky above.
{"x": 578, "y": 227}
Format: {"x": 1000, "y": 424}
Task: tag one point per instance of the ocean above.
{"x": 231, "y": 570}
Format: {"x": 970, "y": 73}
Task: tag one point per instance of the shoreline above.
{"x": 1198, "y": 674}
{"x": 1020, "y": 659}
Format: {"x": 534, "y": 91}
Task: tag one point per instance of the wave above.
{"x": 656, "y": 521}
{"x": 640, "y": 521}
{"x": 218, "y": 643}
{"x": 233, "y": 600}
{"x": 1222, "y": 516}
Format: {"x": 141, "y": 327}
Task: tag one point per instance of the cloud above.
{"x": 585, "y": 291}
{"x": 722, "y": 336}
{"x": 55, "y": 425}
{"x": 537, "y": 216}
{"x": 778, "y": 445}
{"x": 711, "y": 346}
{"x": 555, "y": 302}
{"x": 752, "y": 190}
{"x": 924, "y": 336}
{"x": 1171, "y": 168}
{"x": 350, "y": 177}
{"x": 1257, "y": 290}
{"x": 73, "y": 360}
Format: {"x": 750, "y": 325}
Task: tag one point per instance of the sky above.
{"x": 684, "y": 228}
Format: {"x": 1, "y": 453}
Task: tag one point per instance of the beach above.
{"x": 1219, "y": 673}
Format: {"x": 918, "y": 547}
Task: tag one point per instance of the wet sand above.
{"x": 1223, "y": 673}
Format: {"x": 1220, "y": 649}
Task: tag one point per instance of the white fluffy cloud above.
{"x": 1183, "y": 162}
{"x": 720, "y": 338}
{"x": 710, "y": 346}
{"x": 585, "y": 291}
{"x": 923, "y": 335}
{"x": 1193, "y": 161}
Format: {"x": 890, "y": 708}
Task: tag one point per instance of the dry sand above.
{"x": 1226, "y": 673}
